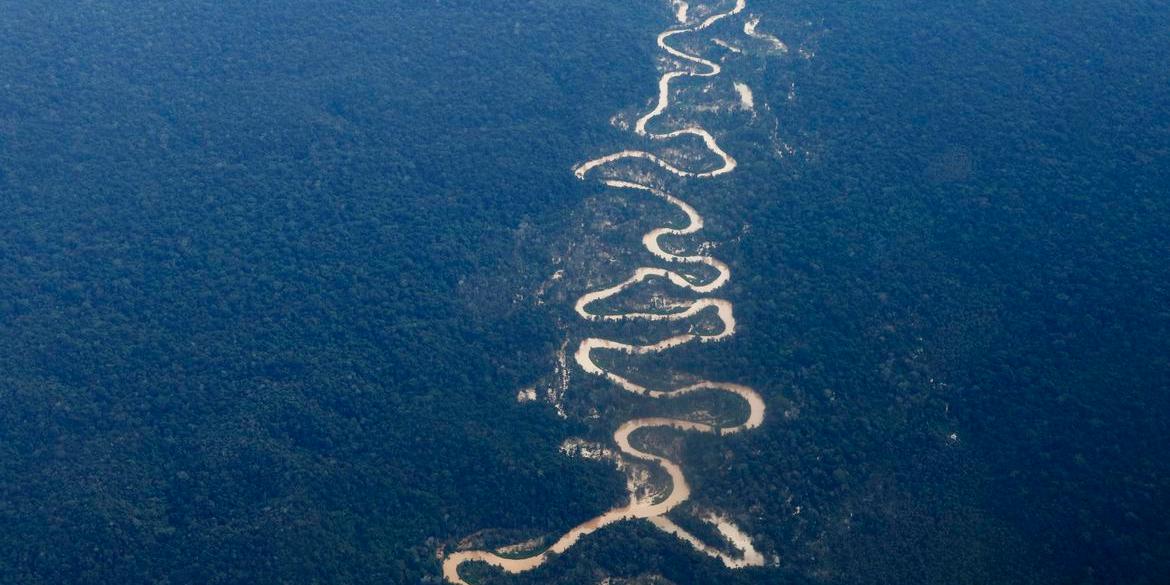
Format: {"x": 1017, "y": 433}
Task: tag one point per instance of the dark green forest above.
{"x": 260, "y": 263}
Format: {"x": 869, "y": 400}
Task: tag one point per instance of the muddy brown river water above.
{"x": 654, "y": 509}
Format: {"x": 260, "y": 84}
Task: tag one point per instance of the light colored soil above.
{"x": 750, "y": 29}
{"x": 746, "y": 99}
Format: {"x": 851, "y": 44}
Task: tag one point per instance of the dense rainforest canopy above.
{"x": 266, "y": 274}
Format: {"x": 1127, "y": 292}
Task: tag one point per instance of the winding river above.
{"x": 655, "y": 508}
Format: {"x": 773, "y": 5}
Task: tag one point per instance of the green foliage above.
{"x": 259, "y": 263}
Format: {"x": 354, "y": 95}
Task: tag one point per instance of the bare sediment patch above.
{"x": 522, "y": 547}
{"x": 746, "y": 100}
{"x": 751, "y": 29}
{"x": 727, "y": 45}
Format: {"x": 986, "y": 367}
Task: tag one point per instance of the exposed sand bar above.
{"x": 750, "y": 29}
{"x": 746, "y": 99}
